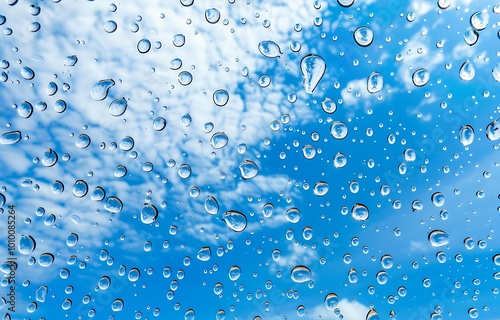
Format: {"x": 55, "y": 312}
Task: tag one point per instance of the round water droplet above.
{"x": 175, "y": 64}
{"x": 98, "y": 194}
{"x": 127, "y": 143}
{"x": 212, "y": 15}
{"x": 57, "y": 187}
{"x": 363, "y": 36}
{"x": 352, "y": 276}
{"x": 420, "y": 77}
{"x": 184, "y": 171}
{"x": 269, "y": 49}
{"x": 264, "y": 80}
{"x": 113, "y": 205}
{"x": 60, "y": 106}
{"x": 331, "y": 301}
{"x": 248, "y": 169}
{"x": 80, "y": 189}
{"x": 189, "y": 315}
{"x": 100, "y": 90}
{"x": 11, "y": 137}
{"x": 496, "y": 72}
{"x": 25, "y": 110}
{"x": 345, "y": 3}
{"x": 309, "y": 151}
{"x": 159, "y": 123}
{"x": 211, "y": 205}
{"x": 234, "y": 273}
{"x": 49, "y": 158}
{"x": 438, "y": 199}
{"x": 387, "y": 261}
{"x": 117, "y": 305}
{"x": 496, "y": 259}
{"x": 104, "y": 283}
{"x": 120, "y": 171}
{"x": 185, "y": 78}
{"x": 219, "y": 140}
{"x": 360, "y": 212}
{"x": 179, "y": 40}
{"x": 471, "y": 36}
{"x": 466, "y": 135}
{"x": 340, "y": 160}
{"x": 292, "y": 215}
{"x": 27, "y": 73}
{"x": 301, "y": 274}
{"x": 235, "y": 220}
{"x": 27, "y": 244}
{"x": 144, "y": 45}
{"x": 375, "y": 82}
{"x": 382, "y": 277}
{"x": 410, "y": 155}
{"x": 444, "y": 4}
{"x": 187, "y": 3}
{"x": 45, "y": 259}
{"x": 110, "y": 26}
{"x": 221, "y": 97}
{"x": 83, "y": 141}
{"x": 118, "y": 107}
{"x": 479, "y": 20}
{"x": 338, "y": 130}
{"x": 321, "y": 188}
{"x": 149, "y": 213}
{"x": 72, "y": 240}
{"x": 313, "y": 68}
{"x": 329, "y": 105}
{"x": 467, "y": 71}
{"x": 438, "y": 238}
{"x": 204, "y": 254}
{"x": 493, "y": 130}
{"x": 267, "y": 210}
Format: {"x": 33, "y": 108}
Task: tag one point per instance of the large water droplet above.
{"x": 41, "y": 293}
{"x": 420, "y": 77}
{"x": 338, "y": 130}
{"x": 221, "y": 97}
{"x": 321, "y": 188}
{"x": 72, "y": 239}
{"x": 234, "y": 273}
{"x": 363, "y": 36}
{"x": 100, "y": 90}
{"x": 382, "y": 277}
{"x": 387, "y": 261}
{"x": 113, "y": 205}
{"x": 235, "y": 220}
{"x": 45, "y": 259}
{"x": 211, "y": 205}
{"x": 104, "y": 283}
{"x": 204, "y": 254}
{"x": 438, "y": 238}
{"x": 134, "y": 274}
{"x": 49, "y": 158}
{"x": 184, "y": 171}
{"x": 11, "y": 137}
{"x": 375, "y": 82}
{"x": 346, "y": 3}
{"x": 219, "y": 140}
{"x": 98, "y": 194}
{"x": 479, "y": 20}
{"x": 80, "y": 189}
{"x": 70, "y": 61}
{"x": 117, "y": 305}
{"x": 301, "y": 274}
{"x": 313, "y": 68}
{"x": 25, "y": 110}
{"x": 110, "y": 26}
{"x": 212, "y": 15}
{"x": 444, "y": 4}
{"x": 309, "y": 151}
{"x": 27, "y": 244}
{"x": 27, "y": 73}
{"x": 340, "y": 160}
{"x": 118, "y": 107}
{"x": 471, "y": 36}
{"x": 329, "y": 105}
{"x": 127, "y": 143}
{"x": 493, "y": 130}
{"x": 331, "y": 301}
{"x": 292, "y": 215}
{"x": 360, "y": 212}
{"x": 83, "y": 141}
{"x": 466, "y": 135}
{"x": 467, "y": 71}
{"x": 149, "y": 213}
{"x": 248, "y": 169}
{"x": 269, "y": 49}
{"x": 372, "y": 315}
{"x": 144, "y": 45}
{"x": 179, "y": 40}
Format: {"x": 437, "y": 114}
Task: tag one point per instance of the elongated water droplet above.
{"x": 467, "y": 71}
{"x": 83, "y": 141}
{"x": 51, "y": 88}
{"x": 471, "y": 36}
{"x": 204, "y": 254}
{"x": 466, "y": 135}
{"x": 118, "y": 107}
{"x": 438, "y": 238}
{"x": 420, "y": 77}
{"x": 269, "y": 49}
{"x": 338, "y": 130}
{"x": 219, "y": 140}
{"x": 301, "y": 274}
{"x": 363, "y": 36}
{"x": 375, "y": 82}
{"x": 100, "y": 90}
{"x": 248, "y": 169}
{"x": 313, "y": 68}
{"x": 27, "y": 73}
{"x": 493, "y": 130}
{"x": 479, "y": 20}
{"x": 149, "y": 213}
{"x": 360, "y": 212}
{"x": 49, "y": 158}
{"x": 372, "y": 315}
{"x": 235, "y": 220}
{"x": 70, "y": 61}
{"x": 212, "y": 15}
{"x": 221, "y": 97}
{"x": 11, "y": 137}
{"x": 496, "y": 72}
{"x": 27, "y": 244}
{"x": 211, "y": 205}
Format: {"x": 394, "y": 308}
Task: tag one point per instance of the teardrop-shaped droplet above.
{"x": 204, "y": 254}
{"x": 211, "y": 205}
{"x": 338, "y": 130}
{"x": 372, "y": 315}
{"x": 301, "y": 274}
{"x": 27, "y": 73}
{"x": 321, "y": 188}
{"x": 235, "y": 220}
{"x": 221, "y": 97}
{"x": 11, "y": 137}
{"x": 80, "y": 189}
{"x": 340, "y": 160}
{"x": 313, "y": 68}
{"x": 269, "y": 49}
{"x": 471, "y": 36}
{"x": 25, "y": 110}
{"x": 438, "y": 238}
{"x": 212, "y": 15}
{"x": 27, "y": 244}
{"x": 113, "y": 205}
{"x": 234, "y": 273}
{"x": 466, "y": 135}
{"x": 83, "y": 141}
{"x": 100, "y": 90}
{"x": 360, "y": 212}
{"x": 49, "y": 158}
{"x": 467, "y": 71}
{"x": 248, "y": 169}
{"x": 70, "y": 61}
{"x": 363, "y": 36}
{"x": 375, "y": 82}
{"x": 149, "y": 213}
{"x": 219, "y": 140}
{"x": 420, "y": 77}
{"x": 331, "y": 301}
{"x": 98, "y": 194}
{"x": 118, "y": 107}
{"x": 479, "y": 20}
{"x": 493, "y": 130}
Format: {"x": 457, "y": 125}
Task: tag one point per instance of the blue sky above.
{"x": 224, "y": 54}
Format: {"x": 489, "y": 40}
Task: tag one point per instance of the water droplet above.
{"x": 41, "y": 293}
{"x": 159, "y": 123}
{"x": 496, "y": 72}
{"x": 234, "y": 273}
{"x": 221, "y": 97}
{"x": 360, "y": 212}
{"x": 329, "y": 105}
{"x": 127, "y": 143}
{"x": 340, "y": 160}
{"x": 134, "y": 274}
{"x": 83, "y": 141}
{"x": 27, "y": 73}
{"x": 235, "y": 220}
{"x": 410, "y": 155}
{"x": 211, "y": 205}
{"x": 184, "y": 171}
{"x": 471, "y": 36}
{"x": 479, "y": 20}
{"x": 57, "y": 187}
{"x": 143, "y": 46}
{"x": 212, "y": 15}
{"x": 11, "y": 137}
{"x": 25, "y": 110}
{"x": 264, "y": 80}
{"x": 149, "y": 213}
{"x": 179, "y": 40}
{"x": 104, "y": 283}
{"x": 113, "y": 205}
{"x": 313, "y": 68}
{"x": 49, "y": 158}
{"x": 80, "y": 189}
{"x": 301, "y": 274}
{"x": 219, "y": 140}
{"x": 321, "y": 188}
{"x": 438, "y": 238}
{"x": 70, "y": 61}
{"x": 72, "y": 239}
{"x": 27, "y": 244}
{"x": 269, "y": 49}
{"x": 375, "y": 82}
{"x": 493, "y": 130}
{"x": 110, "y": 26}
{"x": 45, "y": 259}
{"x": 372, "y": 315}
{"x": 467, "y": 71}
{"x": 496, "y": 259}
{"x": 420, "y": 77}
{"x": 466, "y": 135}
{"x": 352, "y": 276}
{"x": 292, "y": 215}
{"x": 185, "y": 78}
{"x": 98, "y": 194}
{"x": 189, "y": 315}
{"x": 100, "y": 90}
{"x": 338, "y": 130}
{"x": 363, "y": 36}
{"x": 120, "y": 171}
{"x": 118, "y": 107}
{"x": 387, "y": 261}
{"x": 382, "y": 277}
{"x": 60, "y": 106}
{"x": 117, "y": 305}
{"x": 175, "y": 64}
{"x": 187, "y": 3}
{"x": 331, "y": 301}
{"x": 444, "y": 4}
{"x": 309, "y": 151}
{"x": 346, "y": 3}
{"x": 204, "y": 254}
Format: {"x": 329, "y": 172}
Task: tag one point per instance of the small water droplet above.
{"x": 360, "y": 212}
{"x": 338, "y": 130}
{"x": 72, "y": 239}
{"x": 331, "y": 301}
{"x": 466, "y": 135}
{"x": 27, "y": 244}
{"x": 179, "y": 40}
{"x": 340, "y": 160}
{"x": 221, "y": 97}
{"x": 45, "y": 259}
{"x": 234, "y": 273}
{"x": 27, "y": 73}
{"x": 25, "y": 110}
{"x": 98, "y": 194}
{"x": 143, "y": 46}
{"x": 80, "y": 189}
{"x": 211, "y": 205}
{"x": 117, "y": 305}
{"x": 292, "y": 215}
{"x": 375, "y": 82}
{"x": 212, "y": 15}
{"x": 493, "y": 130}
{"x": 313, "y": 68}
{"x": 110, "y": 26}
{"x": 420, "y": 77}
{"x": 300, "y": 274}
{"x": 321, "y": 188}
{"x": 204, "y": 254}
{"x": 83, "y": 141}
{"x": 329, "y": 105}
{"x": 149, "y": 213}
{"x": 70, "y": 61}
{"x": 185, "y": 78}
{"x": 471, "y": 36}
{"x": 113, "y": 205}
{"x": 175, "y": 64}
